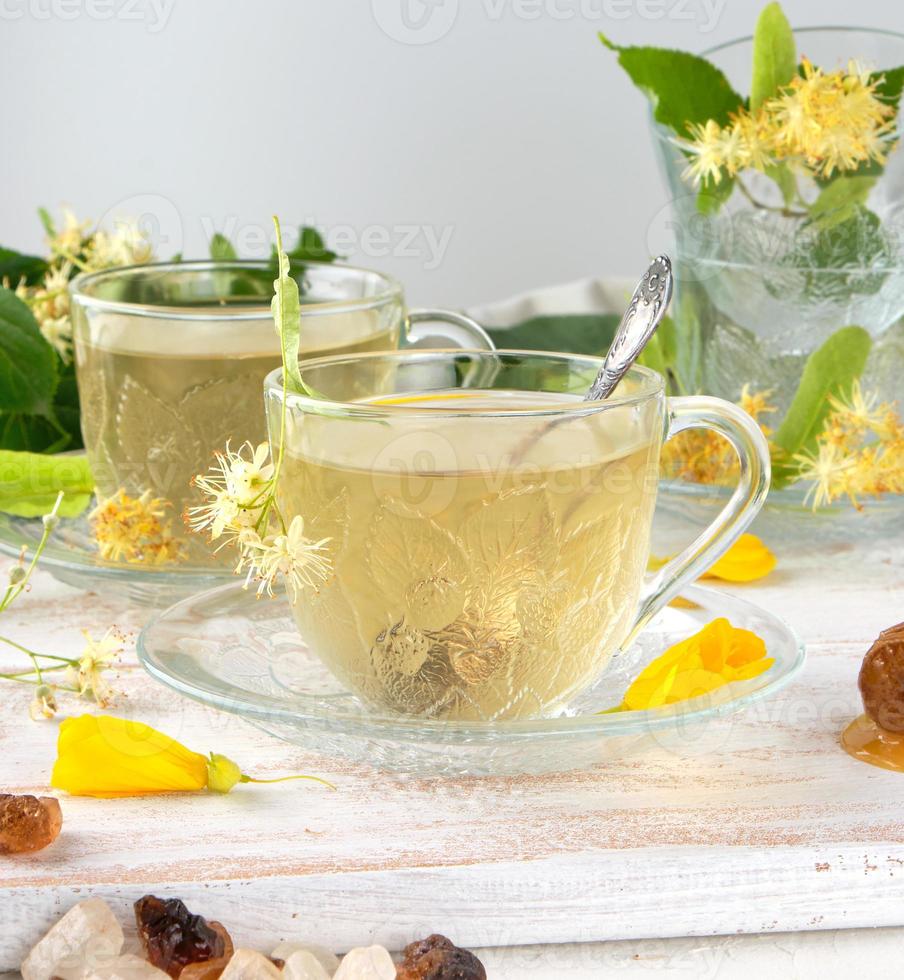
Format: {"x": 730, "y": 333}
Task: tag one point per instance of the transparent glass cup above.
{"x": 485, "y": 530}
{"x": 171, "y": 357}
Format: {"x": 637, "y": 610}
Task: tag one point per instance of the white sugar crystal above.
{"x": 302, "y": 965}
{"x": 246, "y": 964}
{"x": 329, "y": 961}
{"x": 366, "y": 963}
{"x": 86, "y": 935}
{"x": 128, "y": 967}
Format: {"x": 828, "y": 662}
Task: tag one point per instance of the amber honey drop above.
{"x": 866, "y": 741}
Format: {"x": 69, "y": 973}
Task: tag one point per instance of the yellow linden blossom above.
{"x": 860, "y": 451}
{"x": 131, "y": 529}
{"x": 719, "y": 654}
{"x": 702, "y": 456}
{"x": 746, "y": 560}
{"x": 102, "y": 756}
{"x": 822, "y": 121}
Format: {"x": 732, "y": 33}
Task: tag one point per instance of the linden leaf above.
{"x": 221, "y": 249}
{"x": 830, "y": 370}
{"x": 774, "y": 55}
{"x": 30, "y": 482}
{"x": 28, "y": 364}
{"x": 286, "y": 308}
{"x": 683, "y": 88}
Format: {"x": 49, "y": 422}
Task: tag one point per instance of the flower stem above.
{"x": 284, "y": 779}
{"x": 16, "y": 590}
{"x": 785, "y": 211}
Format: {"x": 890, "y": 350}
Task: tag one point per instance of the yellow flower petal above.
{"x": 746, "y": 560}
{"x": 98, "y": 755}
{"x": 716, "y": 655}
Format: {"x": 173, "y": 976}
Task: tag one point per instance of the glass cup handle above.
{"x": 750, "y": 444}
{"x": 458, "y": 329}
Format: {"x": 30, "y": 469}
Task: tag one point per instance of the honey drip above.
{"x": 866, "y": 741}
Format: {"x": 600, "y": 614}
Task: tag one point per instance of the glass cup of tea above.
{"x": 487, "y": 530}
{"x": 171, "y": 357}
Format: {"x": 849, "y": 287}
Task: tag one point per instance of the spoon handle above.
{"x": 642, "y": 317}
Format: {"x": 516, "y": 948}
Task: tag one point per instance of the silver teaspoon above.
{"x": 644, "y": 314}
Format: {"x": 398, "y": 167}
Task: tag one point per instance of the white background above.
{"x": 512, "y": 137}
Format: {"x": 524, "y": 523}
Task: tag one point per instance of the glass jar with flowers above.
{"x": 787, "y": 212}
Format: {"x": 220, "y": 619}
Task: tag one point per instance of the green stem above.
{"x": 284, "y": 779}
{"x": 69, "y": 257}
{"x": 68, "y": 661}
{"x": 17, "y": 675}
{"x": 16, "y": 590}
{"x": 786, "y": 212}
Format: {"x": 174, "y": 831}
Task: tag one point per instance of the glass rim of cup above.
{"x": 81, "y": 286}
{"x": 653, "y": 385}
{"x": 809, "y": 29}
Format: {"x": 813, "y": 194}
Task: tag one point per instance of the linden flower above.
{"x": 828, "y": 469}
{"x": 237, "y": 487}
{"x": 131, "y": 529}
{"x": 833, "y": 121}
{"x": 44, "y": 704}
{"x": 97, "y": 656}
{"x": 291, "y": 555}
{"x": 127, "y": 245}
{"x": 68, "y": 241}
{"x": 859, "y": 412}
{"x": 709, "y": 150}
{"x": 102, "y": 756}
{"x": 719, "y": 654}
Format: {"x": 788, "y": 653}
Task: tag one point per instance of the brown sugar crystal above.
{"x": 173, "y": 937}
{"x": 438, "y": 958}
{"x": 28, "y": 823}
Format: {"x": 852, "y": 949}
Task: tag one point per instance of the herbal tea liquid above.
{"x": 468, "y": 582}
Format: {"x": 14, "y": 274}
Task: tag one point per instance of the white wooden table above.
{"x": 762, "y": 825}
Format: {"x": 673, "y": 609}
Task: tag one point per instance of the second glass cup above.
{"x": 171, "y": 359}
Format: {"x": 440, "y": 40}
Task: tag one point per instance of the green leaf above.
{"x": 47, "y": 221}
{"x": 780, "y": 174}
{"x": 712, "y": 196}
{"x": 590, "y": 333}
{"x": 310, "y": 247}
{"x": 15, "y": 266}
{"x": 829, "y": 370}
{"x": 221, "y": 249}
{"x": 774, "y": 55}
{"x": 683, "y": 87}
{"x": 30, "y": 482}
{"x": 839, "y": 201}
{"x": 31, "y": 433}
{"x": 28, "y": 364}
{"x": 286, "y": 308}
{"x": 661, "y": 352}
{"x": 66, "y": 409}
{"x": 889, "y": 84}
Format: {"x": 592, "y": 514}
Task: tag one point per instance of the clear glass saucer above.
{"x": 71, "y": 557}
{"x": 229, "y": 649}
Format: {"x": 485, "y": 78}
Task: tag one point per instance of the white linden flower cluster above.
{"x": 73, "y": 248}
{"x": 241, "y": 510}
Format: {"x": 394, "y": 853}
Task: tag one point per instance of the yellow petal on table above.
{"x": 716, "y": 655}
{"x": 746, "y": 560}
{"x": 98, "y": 755}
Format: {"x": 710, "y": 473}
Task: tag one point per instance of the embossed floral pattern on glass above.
{"x": 480, "y": 591}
